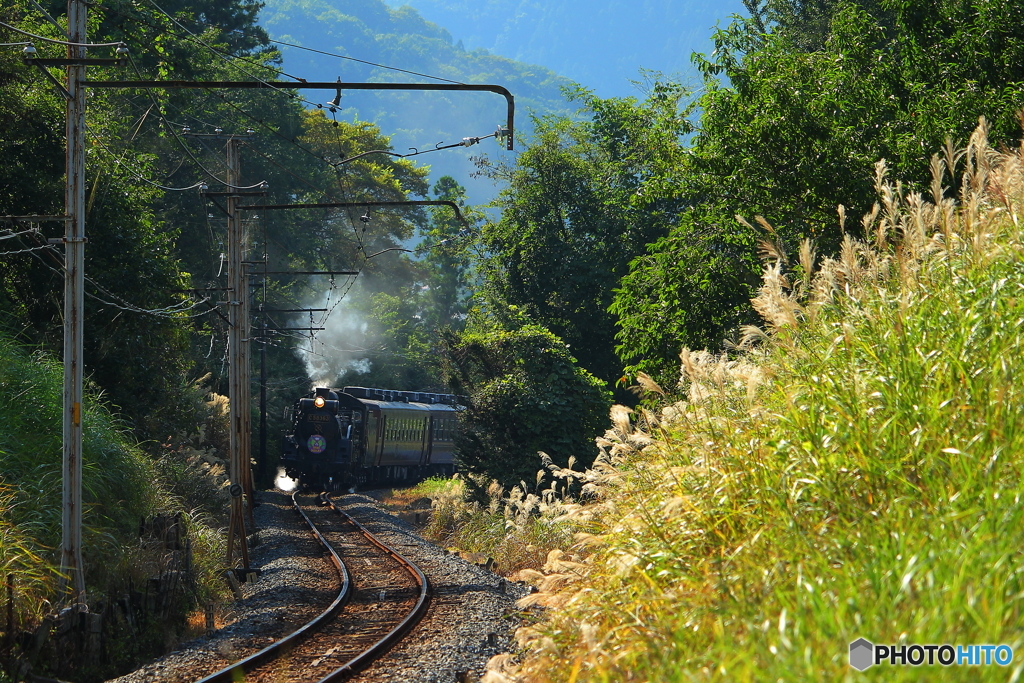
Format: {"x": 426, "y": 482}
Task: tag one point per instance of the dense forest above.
{"x": 623, "y": 230}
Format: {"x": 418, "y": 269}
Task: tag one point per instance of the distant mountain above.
{"x": 371, "y": 31}
{"x": 601, "y": 44}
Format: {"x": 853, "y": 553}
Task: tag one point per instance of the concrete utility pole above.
{"x": 74, "y": 285}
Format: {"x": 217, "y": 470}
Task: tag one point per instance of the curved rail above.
{"x": 384, "y": 644}
{"x": 276, "y": 649}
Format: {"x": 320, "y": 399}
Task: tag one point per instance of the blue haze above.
{"x": 532, "y": 48}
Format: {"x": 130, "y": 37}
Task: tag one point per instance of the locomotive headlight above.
{"x": 319, "y": 402}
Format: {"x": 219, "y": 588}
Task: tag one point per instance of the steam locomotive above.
{"x": 344, "y": 438}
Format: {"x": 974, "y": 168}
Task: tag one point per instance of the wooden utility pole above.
{"x": 238, "y": 361}
{"x": 74, "y": 285}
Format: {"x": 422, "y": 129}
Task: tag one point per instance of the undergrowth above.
{"x": 516, "y": 530}
{"x": 854, "y": 470}
{"x": 120, "y": 485}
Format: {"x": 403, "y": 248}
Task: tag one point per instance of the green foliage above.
{"x": 693, "y": 285}
{"x": 526, "y": 394}
{"x": 447, "y": 258}
{"x": 583, "y": 199}
{"x": 117, "y": 484}
{"x": 856, "y": 475}
{"x": 795, "y": 130}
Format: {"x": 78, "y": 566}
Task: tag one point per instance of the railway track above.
{"x": 381, "y": 596}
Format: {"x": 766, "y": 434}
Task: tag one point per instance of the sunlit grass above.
{"x": 120, "y": 485}
{"x": 856, "y": 473}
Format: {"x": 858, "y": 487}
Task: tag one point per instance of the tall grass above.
{"x": 515, "y": 529}
{"x": 119, "y": 486}
{"x": 854, "y": 472}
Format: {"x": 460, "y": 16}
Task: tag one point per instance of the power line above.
{"x": 17, "y": 234}
{"x": 25, "y": 251}
{"x": 139, "y": 176}
{"x": 184, "y": 147}
{"x": 58, "y": 42}
{"x": 229, "y": 58}
{"x": 363, "y": 61}
{"x": 295, "y": 45}
{"x": 191, "y": 37}
{"x": 172, "y": 311}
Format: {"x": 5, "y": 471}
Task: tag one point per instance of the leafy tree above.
{"x": 583, "y": 199}
{"x": 692, "y": 287}
{"x": 795, "y": 131}
{"x": 447, "y": 258}
{"x": 526, "y": 394}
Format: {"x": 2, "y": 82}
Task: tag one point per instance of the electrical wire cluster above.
{"x": 177, "y": 131}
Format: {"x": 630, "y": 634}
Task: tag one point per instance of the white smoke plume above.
{"x": 341, "y": 346}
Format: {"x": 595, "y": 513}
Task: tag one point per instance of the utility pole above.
{"x": 74, "y": 285}
{"x": 261, "y": 461}
{"x": 72, "y": 581}
{"x": 238, "y": 308}
{"x": 238, "y": 360}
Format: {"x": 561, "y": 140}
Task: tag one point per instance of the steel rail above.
{"x": 276, "y": 649}
{"x": 378, "y": 649}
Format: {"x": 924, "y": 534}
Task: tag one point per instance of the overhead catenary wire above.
{"x": 232, "y": 59}
{"x": 17, "y": 234}
{"x": 294, "y": 45}
{"x": 228, "y": 58}
{"x": 25, "y": 251}
{"x": 139, "y": 176}
{"x": 58, "y": 42}
{"x": 348, "y": 285}
{"x": 173, "y": 311}
{"x": 193, "y": 38}
{"x": 184, "y": 147}
{"x": 363, "y": 61}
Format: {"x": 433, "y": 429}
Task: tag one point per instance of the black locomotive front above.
{"x": 318, "y": 452}
{"x": 355, "y": 436}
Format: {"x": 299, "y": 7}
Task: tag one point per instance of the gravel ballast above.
{"x": 471, "y": 617}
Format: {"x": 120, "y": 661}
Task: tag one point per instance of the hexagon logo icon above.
{"x": 862, "y": 654}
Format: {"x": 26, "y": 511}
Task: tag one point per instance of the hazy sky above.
{"x": 599, "y": 43}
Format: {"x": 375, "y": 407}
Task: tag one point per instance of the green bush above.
{"x": 526, "y": 394}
